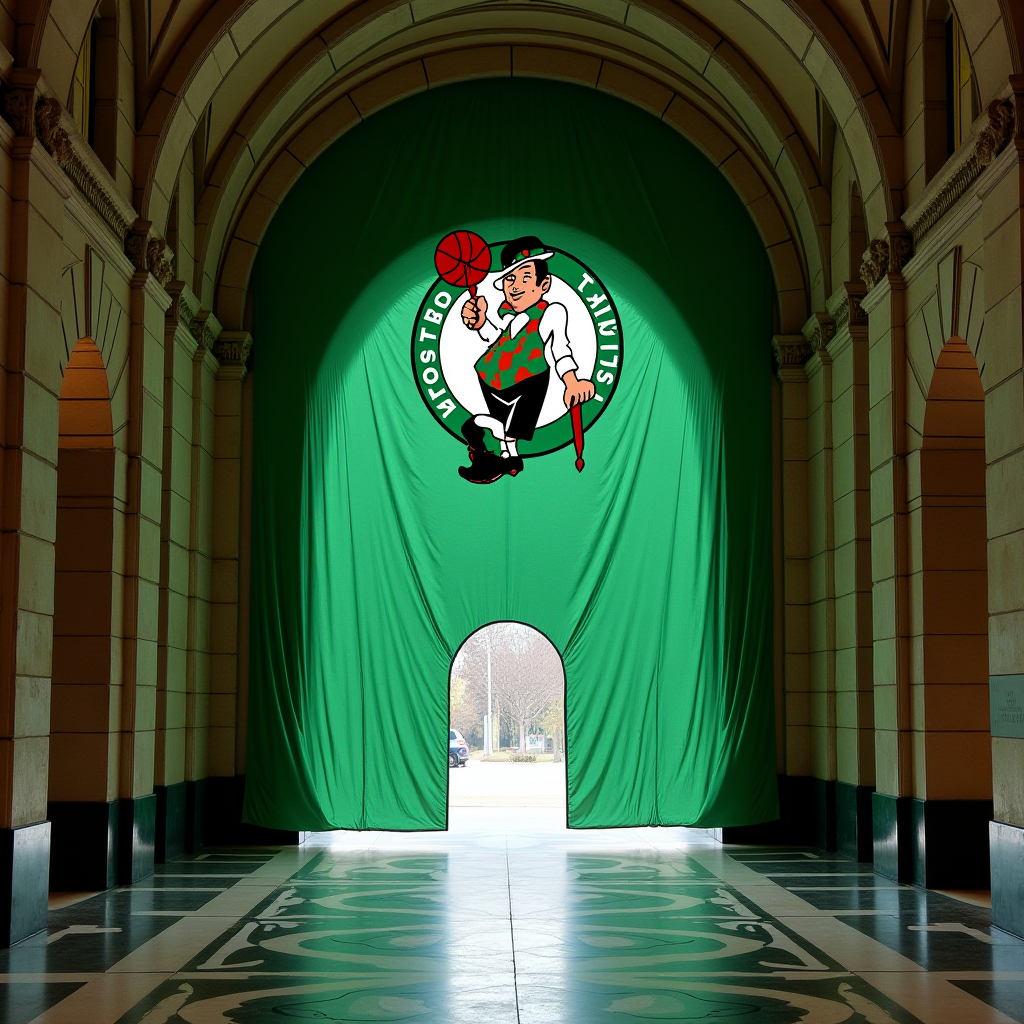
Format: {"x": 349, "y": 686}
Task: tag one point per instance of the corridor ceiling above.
{"x": 259, "y": 87}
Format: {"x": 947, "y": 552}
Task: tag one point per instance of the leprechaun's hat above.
{"x": 520, "y": 251}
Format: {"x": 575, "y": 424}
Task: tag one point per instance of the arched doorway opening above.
{"x": 952, "y": 745}
{"x": 507, "y": 722}
{"x": 84, "y": 710}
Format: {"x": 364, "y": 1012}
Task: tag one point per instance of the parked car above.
{"x": 458, "y": 751}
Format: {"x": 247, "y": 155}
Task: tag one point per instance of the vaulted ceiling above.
{"x": 776, "y": 78}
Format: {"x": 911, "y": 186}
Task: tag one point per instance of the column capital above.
{"x": 232, "y": 350}
{"x": 844, "y": 306}
{"x": 887, "y": 255}
{"x": 791, "y": 353}
{"x": 819, "y": 330}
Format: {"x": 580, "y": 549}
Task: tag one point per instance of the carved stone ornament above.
{"x": 18, "y": 110}
{"x": 876, "y": 262}
{"x": 136, "y": 244}
{"x": 995, "y": 136}
{"x": 158, "y": 261}
{"x": 819, "y": 331}
{"x": 233, "y": 346}
{"x": 901, "y": 247}
{"x": 54, "y": 138}
{"x": 888, "y": 255}
{"x": 942, "y": 195}
{"x": 791, "y": 351}
{"x": 844, "y": 306}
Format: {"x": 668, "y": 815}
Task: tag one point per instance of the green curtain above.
{"x": 372, "y": 560}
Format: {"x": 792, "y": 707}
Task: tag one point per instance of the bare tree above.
{"x": 526, "y": 673}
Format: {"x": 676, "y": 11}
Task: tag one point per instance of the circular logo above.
{"x": 517, "y": 348}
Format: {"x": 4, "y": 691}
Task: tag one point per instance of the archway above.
{"x": 372, "y": 559}
{"x": 953, "y": 760}
{"x": 84, "y": 711}
{"x": 507, "y": 718}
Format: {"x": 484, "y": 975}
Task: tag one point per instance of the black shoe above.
{"x": 513, "y": 464}
{"x": 474, "y": 435}
{"x": 485, "y": 467}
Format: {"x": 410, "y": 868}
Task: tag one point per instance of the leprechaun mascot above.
{"x": 527, "y": 340}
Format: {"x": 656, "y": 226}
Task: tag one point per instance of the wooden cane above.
{"x": 576, "y": 412}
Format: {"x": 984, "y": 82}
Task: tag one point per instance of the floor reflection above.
{"x": 510, "y": 917}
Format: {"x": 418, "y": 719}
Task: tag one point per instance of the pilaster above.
{"x": 850, "y": 499}
{"x": 232, "y": 351}
{"x": 28, "y": 488}
{"x": 890, "y": 562}
{"x": 141, "y": 603}
{"x": 1003, "y": 219}
{"x": 792, "y": 352}
{"x": 180, "y": 347}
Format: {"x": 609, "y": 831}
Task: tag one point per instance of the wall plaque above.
{"x": 1006, "y": 705}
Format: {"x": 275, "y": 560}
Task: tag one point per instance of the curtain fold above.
{"x": 373, "y": 560}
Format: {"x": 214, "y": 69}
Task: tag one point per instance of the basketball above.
{"x": 462, "y": 259}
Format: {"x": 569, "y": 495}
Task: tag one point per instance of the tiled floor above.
{"x": 509, "y": 917}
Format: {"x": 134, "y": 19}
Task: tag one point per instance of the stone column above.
{"x": 884, "y": 304}
{"x": 821, "y": 811}
{"x": 1003, "y": 378}
{"x": 140, "y": 630}
{"x": 232, "y": 351}
{"x": 180, "y": 347}
{"x": 792, "y": 352}
{"x": 850, "y": 498}
{"x": 30, "y": 383}
{"x": 205, "y": 368}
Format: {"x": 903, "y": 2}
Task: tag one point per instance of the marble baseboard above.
{"x": 938, "y": 844}
{"x": 24, "y": 881}
{"x": 96, "y": 845}
{"x": 136, "y": 844}
{"x": 1006, "y": 849}
{"x": 853, "y": 821}
{"x": 170, "y": 837}
{"x": 891, "y": 826}
{"x": 951, "y": 843}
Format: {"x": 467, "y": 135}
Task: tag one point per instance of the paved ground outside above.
{"x": 505, "y": 784}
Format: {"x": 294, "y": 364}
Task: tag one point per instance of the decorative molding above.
{"x": 791, "y": 353}
{"x": 887, "y": 255}
{"x": 159, "y": 260}
{"x": 819, "y": 330}
{"x": 54, "y": 138}
{"x": 844, "y": 306}
{"x": 876, "y": 262}
{"x": 60, "y": 138}
{"x": 989, "y": 138}
{"x": 200, "y": 323}
{"x": 20, "y": 95}
{"x": 207, "y": 329}
{"x": 232, "y": 350}
{"x": 44, "y": 118}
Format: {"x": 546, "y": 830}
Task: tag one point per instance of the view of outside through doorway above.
{"x": 507, "y": 702}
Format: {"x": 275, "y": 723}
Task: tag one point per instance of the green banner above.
{"x": 418, "y": 470}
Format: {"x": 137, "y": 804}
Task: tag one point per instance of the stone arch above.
{"x": 84, "y": 723}
{"x": 170, "y": 125}
{"x": 770, "y": 135}
{"x": 751, "y": 179}
{"x": 991, "y": 51}
{"x": 956, "y": 308}
{"x": 89, "y": 308}
{"x": 952, "y": 745}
